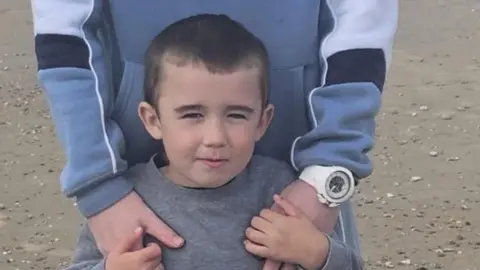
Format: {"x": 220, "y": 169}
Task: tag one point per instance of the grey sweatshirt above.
{"x": 212, "y": 221}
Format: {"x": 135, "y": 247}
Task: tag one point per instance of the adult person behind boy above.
{"x": 206, "y": 95}
{"x": 329, "y": 60}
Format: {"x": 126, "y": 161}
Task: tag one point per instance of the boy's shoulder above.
{"x": 265, "y": 161}
{"x": 137, "y": 171}
{"x": 145, "y": 177}
{"x": 143, "y": 170}
{"x": 269, "y": 176}
{"x": 270, "y": 168}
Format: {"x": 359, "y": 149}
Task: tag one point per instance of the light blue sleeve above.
{"x": 72, "y": 72}
{"x": 355, "y": 52}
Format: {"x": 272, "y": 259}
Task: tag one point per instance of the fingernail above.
{"x": 151, "y": 245}
{"x": 177, "y": 240}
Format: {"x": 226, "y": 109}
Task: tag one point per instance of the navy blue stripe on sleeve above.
{"x": 61, "y": 51}
{"x": 357, "y": 65}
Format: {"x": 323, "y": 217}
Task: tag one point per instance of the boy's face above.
{"x": 209, "y": 123}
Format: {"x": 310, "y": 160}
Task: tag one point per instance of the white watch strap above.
{"x": 317, "y": 175}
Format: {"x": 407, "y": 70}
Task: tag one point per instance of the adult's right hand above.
{"x": 122, "y": 256}
{"x": 111, "y": 225}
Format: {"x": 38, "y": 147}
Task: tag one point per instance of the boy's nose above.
{"x": 215, "y": 135}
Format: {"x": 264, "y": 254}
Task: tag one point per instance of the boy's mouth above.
{"x": 213, "y": 162}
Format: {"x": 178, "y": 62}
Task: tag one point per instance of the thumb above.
{"x": 277, "y": 209}
{"x": 129, "y": 241}
{"x": 287, "y": 207}
{"x": 150, "y": 252}
{"x": 289, "y": 267}
{"x": 161, "y": 231}
{"x": 271, "y": 265}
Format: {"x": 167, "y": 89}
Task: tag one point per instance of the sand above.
{"x": 419, "y": 209}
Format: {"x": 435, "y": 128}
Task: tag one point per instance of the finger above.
{"x": 255, "y": 249}
{"x": 269, "y": 215}
{"x": 271, "y": 265}
{"x": 288, "y": 266}
{"x": 147, "y": 239}
{"x": 159, "y": 267}
{"x": 149, "y": 253}
{"x": 286, "y": 206}
{"x": 155, "y": 264}
{"x": 277, "y": 209}
{"x": 158, "y": 229}
{"x": 256, "y": 236}
{"x": 137, "y": 245}
{"x": 260, "y": 224}
{"x": 129, "y": 241}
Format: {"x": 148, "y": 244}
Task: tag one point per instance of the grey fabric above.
{"x": 212, "y": 221}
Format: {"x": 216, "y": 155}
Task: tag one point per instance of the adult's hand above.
{"x": 304, "y": 196}
{"x": 123, "y": 258}
{"x": 111, "y": 225}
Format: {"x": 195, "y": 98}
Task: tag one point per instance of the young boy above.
{"x": 206, "y": 98}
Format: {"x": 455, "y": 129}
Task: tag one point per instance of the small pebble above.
{"x": 440, "y": 253}
{"x": 446, "y": 116}
{"x": 389, "y": 264}
{"x": 445, "y": 250}
{"x": 416, "y": 179}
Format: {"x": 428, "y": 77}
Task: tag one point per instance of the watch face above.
{"x": 337, "y": 185}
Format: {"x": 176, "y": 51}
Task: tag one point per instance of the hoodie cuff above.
{"x": 103, "y": 196}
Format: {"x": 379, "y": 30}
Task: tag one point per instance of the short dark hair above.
{"x": 219, "y": 43}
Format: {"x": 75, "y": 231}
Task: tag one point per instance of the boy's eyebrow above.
{"x": 242, "y": 108}
{"x": 198, "y": 107}
{"x": 189, "y": 107}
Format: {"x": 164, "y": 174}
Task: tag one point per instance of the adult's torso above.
{"x": 288, "y": 28}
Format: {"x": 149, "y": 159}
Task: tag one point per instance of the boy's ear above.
{"x": 265, "y": 120}
{"x": 150, "y": 120}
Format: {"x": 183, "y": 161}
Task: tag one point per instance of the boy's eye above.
{"x": 192, "y": 116}
{"x": 237, "y": 116}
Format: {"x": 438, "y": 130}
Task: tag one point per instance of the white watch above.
{"x": 334, "y": 184}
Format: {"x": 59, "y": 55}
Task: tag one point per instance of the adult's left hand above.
{"x": 304, "y": 196}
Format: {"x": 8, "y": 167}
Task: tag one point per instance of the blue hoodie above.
{"x": 329, "y": 62}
